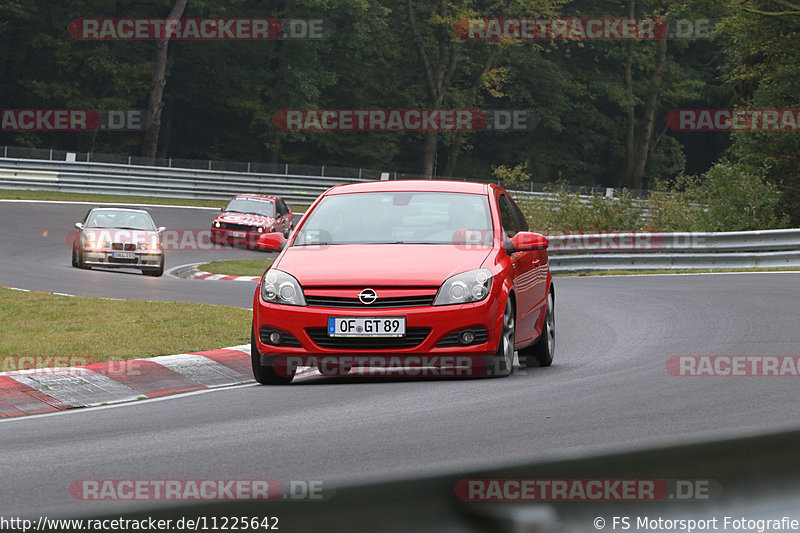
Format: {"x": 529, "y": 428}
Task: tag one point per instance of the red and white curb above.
{"x": 192, "y": 272}
{"x": 37, "y": 391}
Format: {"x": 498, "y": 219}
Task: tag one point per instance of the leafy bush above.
{"x": 729, "y": 197}
{"x": 568, "y": 211}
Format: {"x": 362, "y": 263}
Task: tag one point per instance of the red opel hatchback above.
{"x": 416, "y": 272}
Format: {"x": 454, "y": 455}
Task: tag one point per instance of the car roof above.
{"x": 119, "y": 209}
{"x": 259, "y": 196}
{"x": 413, "y": 185}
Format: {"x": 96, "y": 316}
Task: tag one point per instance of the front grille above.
{"x": 120, "y": 246}
{"x": 413, "y": 338}
{"x": 287, "y": 339}
{"x": 236, "y": 227}
{"x": 481, "y": 337}
{"x": 380, "y": 303}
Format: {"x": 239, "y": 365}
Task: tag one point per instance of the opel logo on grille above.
{"x": 367, "y": 296}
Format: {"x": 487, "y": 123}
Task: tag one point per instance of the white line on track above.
{"x": 125, "y": 404}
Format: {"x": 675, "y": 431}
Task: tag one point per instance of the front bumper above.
{"x": 224, "y": 236}
{"x": 149, "y": 259}
{"x": 305, "y": 324}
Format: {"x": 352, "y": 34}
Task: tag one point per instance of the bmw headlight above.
{"x": 217, "y": 224}
{"x": 278, "y": 287}
{"x": 467, "y": 287}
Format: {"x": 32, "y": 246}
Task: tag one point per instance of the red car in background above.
{"x": 249, "y": 216}
{"x": 406, "y": 269}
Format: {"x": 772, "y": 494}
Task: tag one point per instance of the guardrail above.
{"x": 752, "y": 477}
{"x": 295, "y": 183}
{"x": 675, "y": 251}
{"x": 159, "y": 181}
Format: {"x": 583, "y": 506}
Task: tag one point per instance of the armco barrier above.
{"x": 675, "y": 251}
{"x": 158, "y": 181}
{"x": 752, "y": 476}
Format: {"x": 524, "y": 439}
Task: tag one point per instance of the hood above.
{"x": 232, "y": 217}
{"x": 379, "y": 264}
{"x": 120, "y": 235}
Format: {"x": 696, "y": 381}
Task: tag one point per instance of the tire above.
{"x": 264, "y": 374}
{"x": 155, "y": 272}
{"x": 287, "y": 231}
{"x": 77, "y": 259}
{"x": 543, "y": 350}
{"x": 502, "y": 362}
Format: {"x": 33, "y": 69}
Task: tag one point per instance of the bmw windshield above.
{"x": 397, "y": 218}
{"x": 252, "y": 206}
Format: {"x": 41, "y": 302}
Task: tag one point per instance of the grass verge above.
{"x": 238, "y": 267}
{"x": 36, "y": 324}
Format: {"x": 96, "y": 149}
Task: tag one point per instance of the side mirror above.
{"x": 79, "y": 225}
{"x": 161, "y": 229}
{"x": 274, "y": 242}
{"x": 526, "y": 241}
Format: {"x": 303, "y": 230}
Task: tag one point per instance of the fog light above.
{"x": 466, "y": 337}
{"x": 275, "y": 337}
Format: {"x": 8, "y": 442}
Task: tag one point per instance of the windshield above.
{"x": 120, "y": 219}
{"x": 398, "y": 217}
{"x": 252, "y": 206}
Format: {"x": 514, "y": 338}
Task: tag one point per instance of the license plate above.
{"x": 366, "y": 327}
{"x": 237, "y": 234}
{"x": 123, "y": 255}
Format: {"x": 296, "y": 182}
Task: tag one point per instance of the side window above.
{"x": 508, "y": 216}
{"x": 282, "y": 209}
{"x": 522, "y": 224}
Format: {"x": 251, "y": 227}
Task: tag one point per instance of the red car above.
{"x": 249, "y": 216}
{"x": 428, "y": 272}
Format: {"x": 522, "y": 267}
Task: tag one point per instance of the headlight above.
{"x": 260, "y": 229}
{"x": 472, "y": 286}
{"x": 278, "y": 287}
{"x": 216, "y": 224}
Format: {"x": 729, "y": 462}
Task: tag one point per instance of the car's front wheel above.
{"x": 77, "y": 259}
{"x": 266, "y": 374}
{"x": 542, "y": 351}
{"x": 501, "y": 364}
{"x": 155, "y": 272}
